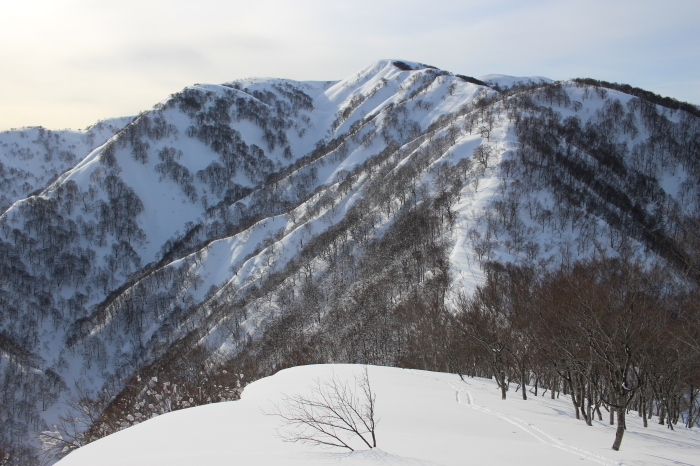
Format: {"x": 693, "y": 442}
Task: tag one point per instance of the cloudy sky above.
{"x": 69, "y": 63}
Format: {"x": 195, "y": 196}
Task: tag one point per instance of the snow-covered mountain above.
{"x": 31, "y": 157}
{"x": 264, "y": 223}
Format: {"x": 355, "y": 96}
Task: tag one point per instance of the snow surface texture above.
{"x": 426, "y": 418}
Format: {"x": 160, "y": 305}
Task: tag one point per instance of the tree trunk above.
{"x": 589, "y": 411}
{"x": 574, "y": 397}
{"x": 620, "y": 428}
{"x": 500, "y": 377}
{"x": 578, "y": 411}
{"x": 537, "y": 379}
{"x": 692, "y": 414}
{"x": 587, "y": 402}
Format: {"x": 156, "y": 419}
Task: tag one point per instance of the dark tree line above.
{"x": 603, "y": 330}
{"x": 668, "y": 102}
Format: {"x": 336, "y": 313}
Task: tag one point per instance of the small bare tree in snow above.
{"x": 334, "y": 413}
{"x": 483, "y": 154}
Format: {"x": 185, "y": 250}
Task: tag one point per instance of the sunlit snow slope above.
{"x": 426, "y": 418}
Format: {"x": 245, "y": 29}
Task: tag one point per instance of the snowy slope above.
{"x": 426, "y": 418}
{"x": 31, "y": 157}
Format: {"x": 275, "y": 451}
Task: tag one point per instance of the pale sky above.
{"x": 69, "y": 63}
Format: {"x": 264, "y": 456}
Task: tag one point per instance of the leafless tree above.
{"x": 335, "y": 413}
{"x": 483, "y": 154}
{"x": 79, "y": 426}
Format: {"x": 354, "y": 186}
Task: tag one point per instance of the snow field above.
{"x": 424, "y": 419}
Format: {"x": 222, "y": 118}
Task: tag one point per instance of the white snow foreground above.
{"x": 425, "y": 418}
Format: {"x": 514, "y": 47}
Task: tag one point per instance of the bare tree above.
{"x": 485, "y": 132}
{"x": 82, "y": 424}
{"x": 483, "y": 154}
{"x": 335, "y": 413}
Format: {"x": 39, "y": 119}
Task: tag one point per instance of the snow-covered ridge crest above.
{"x": 32, "y": 157}
{"x": 506, "y": 81}
{"x": 447, "y": 414}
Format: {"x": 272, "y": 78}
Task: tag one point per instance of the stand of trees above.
{"x": 607, "y": 331}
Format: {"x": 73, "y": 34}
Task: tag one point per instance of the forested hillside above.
{"x": 403, "y": 216}
{"x": 32, "y": 157}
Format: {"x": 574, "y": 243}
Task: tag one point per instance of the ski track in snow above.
{"x": 525, "y": 426}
